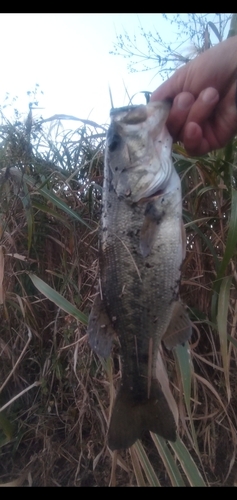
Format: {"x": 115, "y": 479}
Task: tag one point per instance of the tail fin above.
{"x": 131, "y": 417}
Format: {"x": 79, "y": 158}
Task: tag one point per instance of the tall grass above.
{"x": 56, "y": 396}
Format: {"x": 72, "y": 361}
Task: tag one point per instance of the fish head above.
{"x": 138, "y": 150}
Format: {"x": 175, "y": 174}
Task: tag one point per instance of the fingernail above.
{"x": 185, "y": 101}
{"x": 210, "y": 95}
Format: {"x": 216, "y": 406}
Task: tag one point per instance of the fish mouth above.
{"x": 130, "y": 115}
{"x": 139, "y": 113}
{"x": 123, "y": 109}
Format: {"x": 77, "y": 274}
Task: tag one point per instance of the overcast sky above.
{"x": 68, "y": 56}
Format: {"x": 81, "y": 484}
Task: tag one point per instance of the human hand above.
{"x": 204, "y": 113}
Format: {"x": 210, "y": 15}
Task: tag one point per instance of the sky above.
{"x": 68, "y": 56}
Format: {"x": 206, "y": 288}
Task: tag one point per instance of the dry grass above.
{"x": 57, "y": 394}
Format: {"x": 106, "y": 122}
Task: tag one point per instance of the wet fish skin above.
{"x": 138, "y": 150}
{"x": 141, "y": 252}
{"x": 140, "y": 294}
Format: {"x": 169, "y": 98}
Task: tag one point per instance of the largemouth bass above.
{"x": 142, "y": 246}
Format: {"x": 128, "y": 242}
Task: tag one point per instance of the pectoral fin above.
{"x": 152, "y": 218}
{"x": 179, "y": 329}
{"x": 147, "y": 236}
{"x": 100, "y": 329}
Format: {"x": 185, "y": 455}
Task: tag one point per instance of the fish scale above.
{"x": 142, "y": 246}
{"x": 139, "y": 292}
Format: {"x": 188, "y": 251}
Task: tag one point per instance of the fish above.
{"x": 142, "y": 246}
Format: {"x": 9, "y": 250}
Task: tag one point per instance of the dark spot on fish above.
{"x": 160, "y": 217}
{"x": 114, "y": 140}
{"x": 149, "y": 209}
{"x": 116, "y": 169}
{"x": 104, "y": 229}
{"x": 148, "y": 265}
{"x": 153, "y": 214}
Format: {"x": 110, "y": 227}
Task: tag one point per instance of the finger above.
{"x": 204, "y": 106}
{"x": 194, "y": 141}
{"x": 215, "y": 67}
{"x": 179, "y": 112}
{"x": 225, "y": 120}
{"x": 197, "y": 135}
{"x": 216, "y": 131}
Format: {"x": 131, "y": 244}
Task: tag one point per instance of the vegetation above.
{"x": 192, "y": 34}
{"x": 56, "y": 396}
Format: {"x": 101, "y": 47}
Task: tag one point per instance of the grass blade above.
{"x": 49, "y": 195}
{"x": 183, "y": 358}
{"x": 6, "y": 427}
{"x": 233, "y": 341}
{"x": 198, "y": 231}
{"x": 2, "y": 260}
{"x": 170, "y": 465}
{"x": 231, "y": 242}
{"x": 137, "y": 467}
{"x": 46, "y": 209}
{"x": 60, "y": 301}
{"x": 146, "y": 464}
{"x": 222, "y": 314}
{"x": 189, "y": 467}
{"x": 26, "y": 201}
